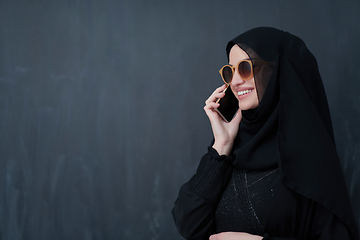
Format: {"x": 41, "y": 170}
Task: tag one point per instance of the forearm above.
{"x": 196, "y": 204}
{"x": 212, "y": 176}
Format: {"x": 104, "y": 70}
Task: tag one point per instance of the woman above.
{"x": 272, "y": 172}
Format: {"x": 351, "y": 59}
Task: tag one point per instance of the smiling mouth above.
{"x": 241, "y": 93}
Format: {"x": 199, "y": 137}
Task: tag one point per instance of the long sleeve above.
{"x": 196, "y": 204}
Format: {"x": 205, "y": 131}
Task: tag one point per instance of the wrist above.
{"x": 222, "y": 149}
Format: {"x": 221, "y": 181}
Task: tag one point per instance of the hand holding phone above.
{"x": 224, "y": 124}
{"x": 229, "y": 105}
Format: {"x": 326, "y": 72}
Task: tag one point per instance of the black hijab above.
{"x": 292, "y": 127}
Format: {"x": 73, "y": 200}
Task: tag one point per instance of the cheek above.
{"x": 256, "y": 95}
{"x": 233, "y": 90}
{"x": 256, "y": 99}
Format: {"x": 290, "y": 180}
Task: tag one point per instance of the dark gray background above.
{"x": 101, "y": 101}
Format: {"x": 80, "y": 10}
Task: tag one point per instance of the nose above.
{"x": 237, "y": 80}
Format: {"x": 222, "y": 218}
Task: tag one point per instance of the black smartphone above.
{"x": 229, "y": 105}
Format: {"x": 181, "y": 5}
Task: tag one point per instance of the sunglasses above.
{"x": 245, "y": 69}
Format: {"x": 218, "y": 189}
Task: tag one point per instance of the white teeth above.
{"x": 244, "y": 92}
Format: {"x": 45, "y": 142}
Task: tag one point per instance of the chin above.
{"x": 245, "y": 106}
{"x": 250, "y": 102}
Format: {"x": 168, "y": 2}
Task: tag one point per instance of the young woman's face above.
{"x": 245, "y": 91}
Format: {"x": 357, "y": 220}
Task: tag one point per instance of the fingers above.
{"x": 210, "y": 110}
{"x": 218, "y": 93}
{"x": 211, "y": 101}
{"x": 214, "y": 237}
{"x": 212, "y": 105}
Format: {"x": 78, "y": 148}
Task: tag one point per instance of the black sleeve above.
{"x": 196, "y": 204}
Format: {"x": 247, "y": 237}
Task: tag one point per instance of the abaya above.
{"x": 283, "y": 179}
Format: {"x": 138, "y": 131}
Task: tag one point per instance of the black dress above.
{"x": 219, "y": 198}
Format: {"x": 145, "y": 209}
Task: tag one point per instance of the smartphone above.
{"x": 229, "y": 105}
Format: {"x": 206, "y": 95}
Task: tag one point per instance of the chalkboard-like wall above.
{"x": 101, "y": 101}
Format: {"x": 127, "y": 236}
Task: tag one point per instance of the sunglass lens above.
{"x": 227, "y": 74}
{"x": 245, "y": 70}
